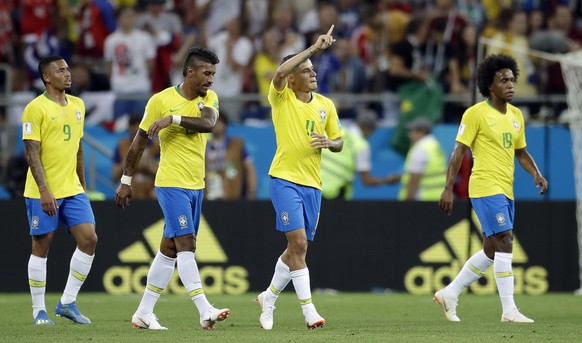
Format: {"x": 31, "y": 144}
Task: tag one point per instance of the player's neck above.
{"x": 498, "y": 104}
{"x": 304, "y": 96}
{"x": 187, "y": 93}
{"x": 56, "y": 95}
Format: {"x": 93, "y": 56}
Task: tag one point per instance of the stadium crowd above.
{"x": 131, "y": 49}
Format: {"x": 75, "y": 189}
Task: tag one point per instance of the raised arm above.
{"x": 47, "y": 200}
{"x": 446, "y": 201}
{"x": 323, "y": 42}
{"x": 527, "y": 162}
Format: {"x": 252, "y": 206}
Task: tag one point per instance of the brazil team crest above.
{"x": 285, "y": 218}
{"x": 78, "y": 114}
{"x": 500, "y": 219}
{"x": 35, "y": 222}
{"x": 322, "y": 114}
{"x": 200, "y": 105}
{"x": 183, "y": 221}
{"x": 516, "y": 124}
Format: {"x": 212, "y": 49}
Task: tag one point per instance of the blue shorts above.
{"x": 181, "y": 208}
{"x": 495, "y": 213}
{"x": 296, "y": 206}
{"x": 73, "y": 210}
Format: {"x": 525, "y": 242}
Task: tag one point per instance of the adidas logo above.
{"x": 443, "y": 260}
{"x": 217, "y": 278}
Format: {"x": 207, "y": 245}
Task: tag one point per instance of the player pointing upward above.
{"x": 305, "y": 122}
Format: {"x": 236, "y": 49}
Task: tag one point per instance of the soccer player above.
{"x": 494, "y": 130}
{"x": 182, "y": 116}
{"x": 302, "y": 118}
{"x": 52, "y": 127}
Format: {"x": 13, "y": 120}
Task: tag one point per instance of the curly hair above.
{"x": 195, "y": 54}
{"x": 489, "y": 66}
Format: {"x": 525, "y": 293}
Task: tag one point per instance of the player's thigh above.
{"x": 182, "y": 210}
{"x": 288, "y": 205}
{"x": 311, "y": 209}
{"x": 495, "y": 213}
{"x": 39, "y": 222}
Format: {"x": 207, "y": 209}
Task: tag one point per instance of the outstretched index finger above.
{"x": 330, "y": 30}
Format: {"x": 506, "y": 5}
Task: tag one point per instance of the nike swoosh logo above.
{"x": 173, "y": 110}
{"x": 53, "y": 118}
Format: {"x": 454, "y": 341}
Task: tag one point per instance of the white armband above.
{"x": 126, "y": 180}
{"x": 176, "y": 119}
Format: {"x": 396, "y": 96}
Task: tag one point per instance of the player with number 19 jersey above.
{"x": 59, "y": 129}
{"x": 181, "y": 151}
{"x": 295, "y": 159}
{"x": 494, "y": 151}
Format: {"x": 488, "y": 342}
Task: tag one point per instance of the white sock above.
{"x": 280, "y": 280}
{"x": 473, "y": 269}
{"x": 79, "y": 269}
{"x": 303, "y": 289}
{"x": 504, "y": 279}
{"x": 159, "y": 275}
{"x": 190, "y": 276}
{"x": 37, "y": 283}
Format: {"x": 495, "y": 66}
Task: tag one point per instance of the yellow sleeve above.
{"x": 153, "y": 112}
{"x": 32, "y": 118}
{"x": 275, "y": 97}
{"x": 520, "y": 143}
{"x": 211, "y": 100}
{"x": 468, "y": 128}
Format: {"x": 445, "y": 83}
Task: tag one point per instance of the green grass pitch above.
{"x": 351, "y": 317}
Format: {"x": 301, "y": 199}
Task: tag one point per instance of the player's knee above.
{"x": 298, "y": 246}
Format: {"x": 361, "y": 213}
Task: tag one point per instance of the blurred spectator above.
{"x": 341, "y": 71}
{"x": 289, "y": 40}
{"x": 16, "y": 170}
{"x": 129, "y": 56}
{"x": 166, "y": 29}
{"x": 235, "y": 52}
{"x": 96, "y": 21}
{"x": 396, "y": 19}
{"x": 512, "y": 31}
{"x": 446, "y": 18}
{"x": 265, "y": 64}
{"x": 338, "y": 170}
{"x": 6, "y": 36}
{"x": 256, "y": 17}
{"x": 35, "y": 16}
{"x": 230, "y": 170}
{"x": 86, "y": 80}
{"x": 143, "y": 179}
{"x": 214, "y": 14}
{"x": 348, "y": 17}
{"x": 318, "y": 21}
{"x": 372, "y": 42}
{"x": 425, "y": 166}
{"x": 438, "y": 53}
{"x": 35, "y": 48}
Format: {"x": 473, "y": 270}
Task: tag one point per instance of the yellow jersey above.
{"x": 294, "y": 121}
{"x": 59, "y": 130}
{"x": 493, "y": 138}
{"x": 181, "y": 150}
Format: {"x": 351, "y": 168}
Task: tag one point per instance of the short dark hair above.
{"x": 489, "y": 66}
{"x": 196, "y": 54}
{"x": 44, "y": 62}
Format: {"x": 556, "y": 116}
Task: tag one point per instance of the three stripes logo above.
{"x": 218, "y": 277}
{"x": 442, "y": 261}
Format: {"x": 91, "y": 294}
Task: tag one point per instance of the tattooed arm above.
{"x": 47, "y": 199}
{"x": 123, "y": 195}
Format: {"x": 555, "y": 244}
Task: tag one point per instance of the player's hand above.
{"x": 319, "y": 141}
{"x": 326, "y": 40}
{"x": 540, "y": 181}
{"x": 159, "y": 125}
{"x": 446, "y": 201}
{"x": 48, "y": 202}
{"x": 123, "y": 195}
